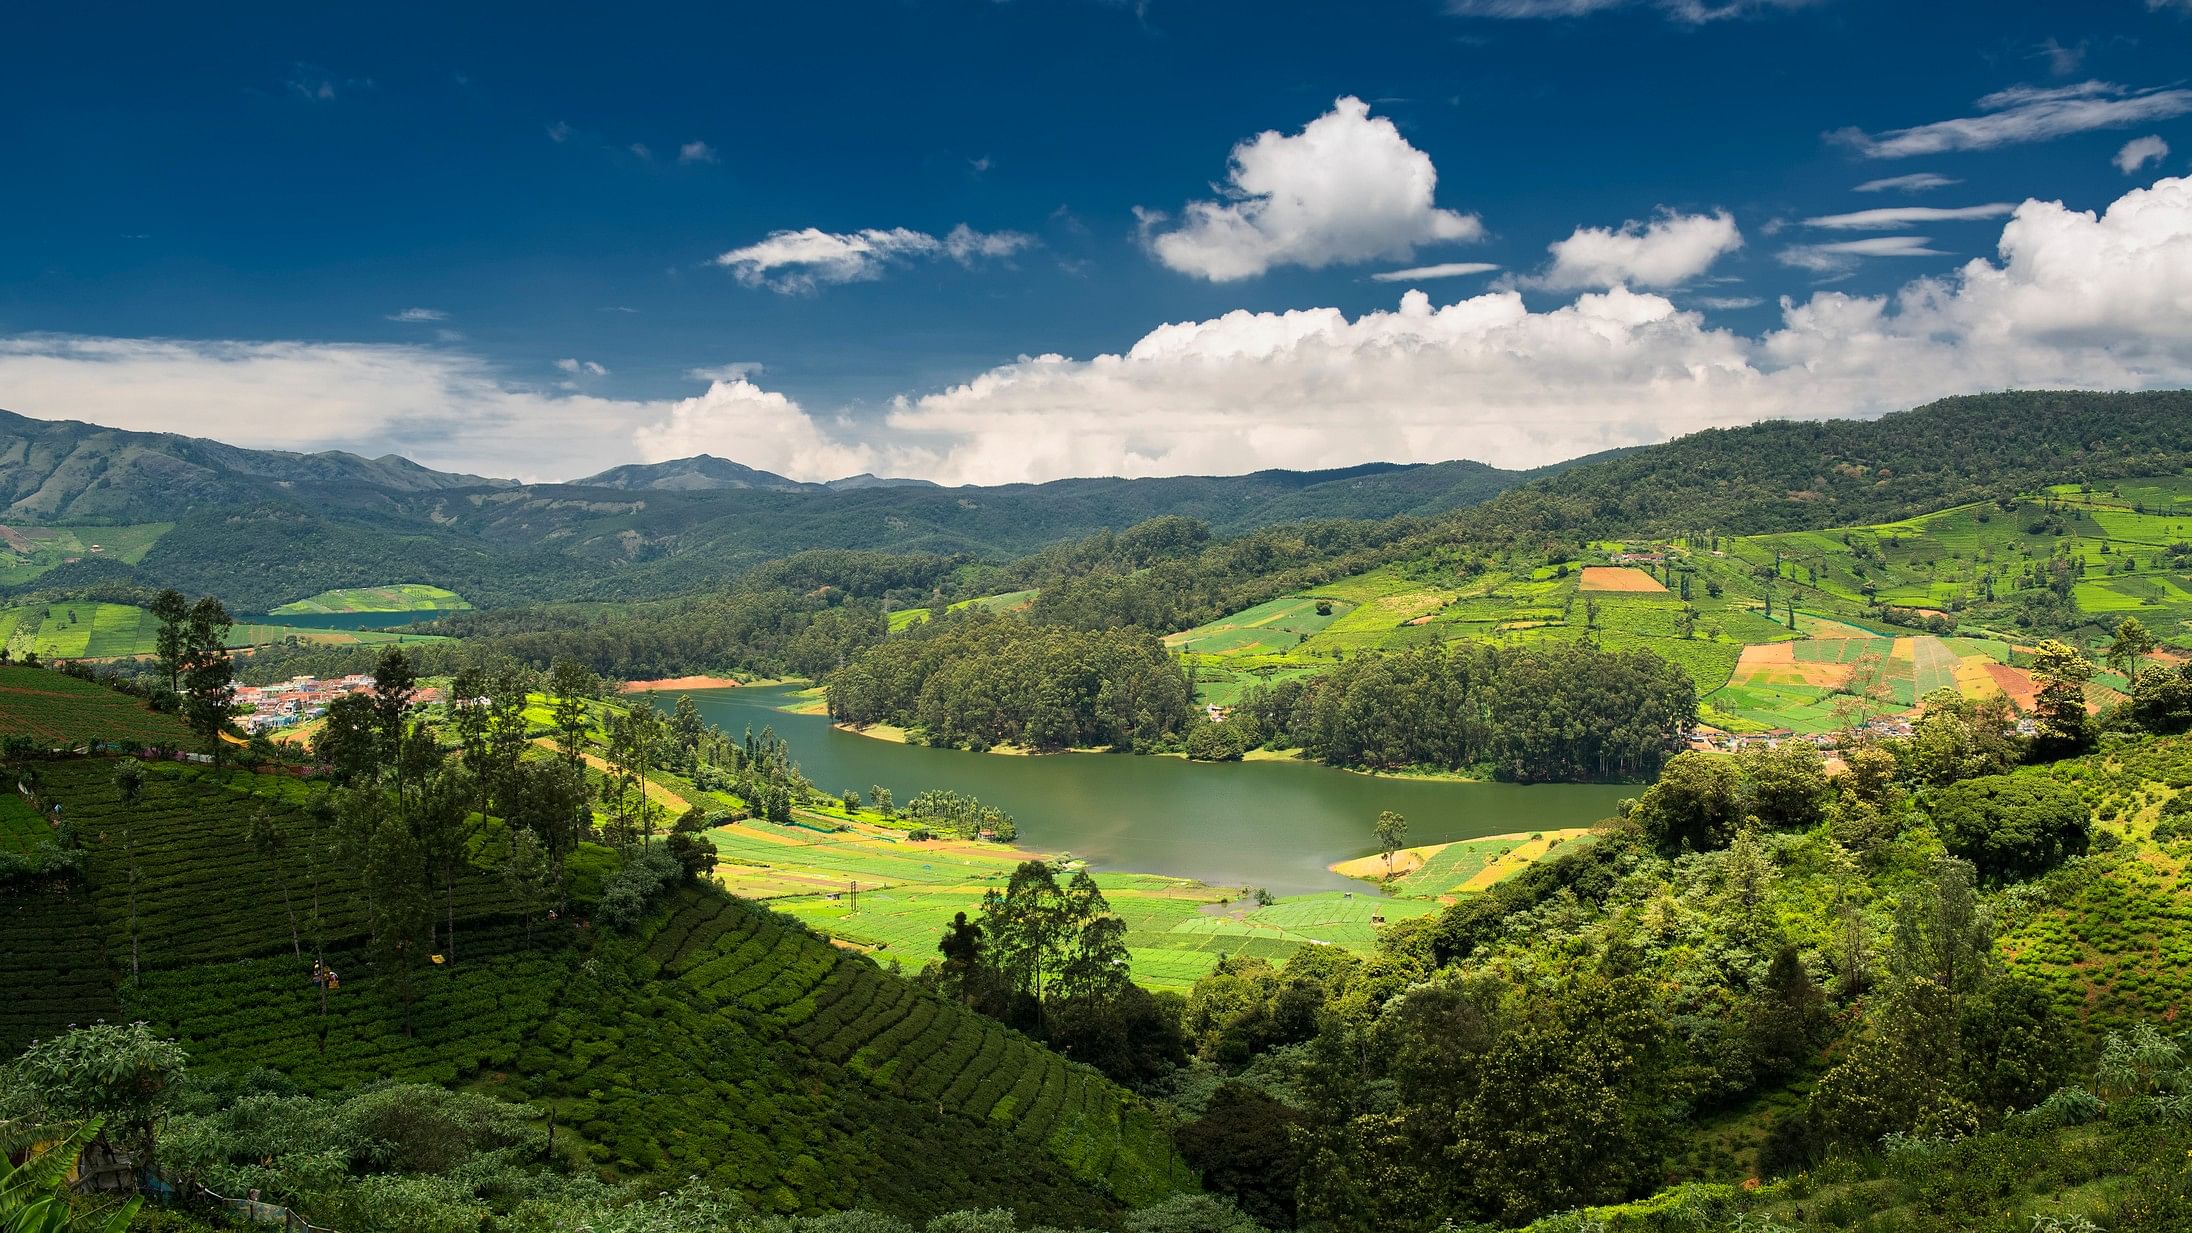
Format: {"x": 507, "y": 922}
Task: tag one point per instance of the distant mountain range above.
{"x": 260, "y": 527}
{"x": 67, "y": 471}
{"x": 708, "y": 473}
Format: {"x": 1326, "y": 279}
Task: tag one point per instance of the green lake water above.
{"x": 1269, "y": 824}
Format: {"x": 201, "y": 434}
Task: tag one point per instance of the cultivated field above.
{"x": 57, "y": 710}
{"x": 27, "y": 552}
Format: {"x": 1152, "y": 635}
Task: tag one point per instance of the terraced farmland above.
{"x": 721, "y": 1042}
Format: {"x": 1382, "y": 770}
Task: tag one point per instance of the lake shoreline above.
{"x": 902, "y": 736}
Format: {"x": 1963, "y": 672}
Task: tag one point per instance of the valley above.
{"x": 1479, "y": 824}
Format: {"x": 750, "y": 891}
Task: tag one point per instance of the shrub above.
{"x": 2012, "y": 826}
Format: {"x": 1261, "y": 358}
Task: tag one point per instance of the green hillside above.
{"x": 405, "y": 597}
{"x": 27, "y": 552}
{"x": 56, "y": 710}
{"x": 718, "y": 1042}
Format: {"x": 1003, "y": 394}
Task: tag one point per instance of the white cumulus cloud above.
{"x": 1347, "y": 188}
{"x": 799, "y": 261}
{"x": 1667, "y": 251}
{"x": 2139, "y": 151}
{"x": 2074, "y": 300}
{"x": 2069, "y": 299}
{"x": 760, "y": 428}
{"x": 2026, "y": 113}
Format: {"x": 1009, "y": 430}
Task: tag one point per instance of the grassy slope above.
{"x": 28, "y": 552}
{"x": 404, "y": 597}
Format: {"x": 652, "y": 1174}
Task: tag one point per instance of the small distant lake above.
{"x": 1269, "y": 824}
{"x": 342, "y": 620}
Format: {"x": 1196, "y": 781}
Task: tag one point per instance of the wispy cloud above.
{"x": 582, "y": 368}
{"x": 1450, "y": 269}
{"x": 1842, "y": 256}
{"x": 804, "y": 260}
{"x": 696, "y": 152}
{"x": 1916, "y": 182}
{"x": 2023, "y": 114}
{"x": 1693, "y": 12}
{"x": 1891, "y": 218}
{"x": 1728, "y": 302}
{"x": 559, "y": 132}
{"x": 419, "y": 315}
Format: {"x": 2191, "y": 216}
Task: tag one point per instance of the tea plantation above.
{"x": 717, "y": 1041}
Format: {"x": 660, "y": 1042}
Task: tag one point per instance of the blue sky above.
{"x": 507, "y": 239}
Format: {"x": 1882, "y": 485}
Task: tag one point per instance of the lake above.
{"x": 342, "y": 620}
{"x": 1269, "y": 824}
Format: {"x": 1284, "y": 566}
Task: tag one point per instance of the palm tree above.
{"x": 34, "y": 1194}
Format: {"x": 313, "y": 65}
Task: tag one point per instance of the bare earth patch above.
{"x": 1620, "y": 578}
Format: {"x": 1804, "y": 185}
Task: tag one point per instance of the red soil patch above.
{"x": 1620, "y": 578}
{"x": 2016, "y": 682}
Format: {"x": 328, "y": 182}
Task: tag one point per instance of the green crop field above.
{"x": 83, "y": 630}
{"x": 57, "y": 710}
{"x": 406, "y": 597}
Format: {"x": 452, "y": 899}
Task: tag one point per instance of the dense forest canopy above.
{"x": 1530, "y": 714}
{"x": 978, "y": 680}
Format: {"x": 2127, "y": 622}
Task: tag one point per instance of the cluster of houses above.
{"x": 1706, "y": 738}
{"x": 269, "y": 707}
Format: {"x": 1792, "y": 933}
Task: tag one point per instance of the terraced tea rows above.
{"x": 56, "y": 711}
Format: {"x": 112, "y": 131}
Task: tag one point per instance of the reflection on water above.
{"x": 1269, "y": 824}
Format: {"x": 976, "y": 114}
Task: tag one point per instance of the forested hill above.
{"x": 1802, "y": 475}
{"x": 262, "y": 527}
{"x": 60, "y": 471}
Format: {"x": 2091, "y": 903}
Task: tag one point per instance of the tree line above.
{"x": 978, "y": 680}
{"x": 1526, "y": 713}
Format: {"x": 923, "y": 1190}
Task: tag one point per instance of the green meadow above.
{"x": 406, "y": 597}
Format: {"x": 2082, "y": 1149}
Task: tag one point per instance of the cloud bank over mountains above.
{"x": 2070, "y": 299}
